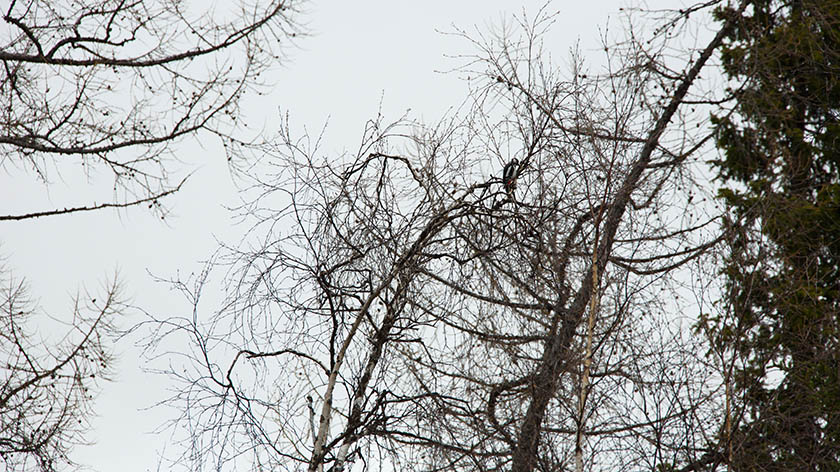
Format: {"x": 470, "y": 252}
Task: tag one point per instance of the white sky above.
{"x": 360, "y": 52}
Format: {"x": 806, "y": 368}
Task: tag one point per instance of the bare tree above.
{"x": 114, "y": 85}
{"x": 47, "y": 388}
{"x": 558, "y": 343}
{"x": 318, "y": 302}
{"x": 408, "y": 304}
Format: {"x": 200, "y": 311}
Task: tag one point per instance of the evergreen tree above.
{"x": 780, "y": 179}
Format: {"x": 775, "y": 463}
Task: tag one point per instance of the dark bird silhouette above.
{"x": 509, "y": 175}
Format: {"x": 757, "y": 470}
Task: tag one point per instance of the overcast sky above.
{"x": 359, "y": 53}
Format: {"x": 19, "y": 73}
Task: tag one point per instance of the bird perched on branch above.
{"x": 509, "y": 175}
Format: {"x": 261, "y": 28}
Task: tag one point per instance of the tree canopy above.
{"x": 779, "y": 170}
{"x": 111, "y": 87}
{"x": 628, "y": 266}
